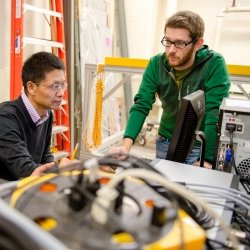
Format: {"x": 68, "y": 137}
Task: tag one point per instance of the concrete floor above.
{"x": 147, "y": 150}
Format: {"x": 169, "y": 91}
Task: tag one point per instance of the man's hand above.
{"x": 42, "y": 169}
{"x": 206, "y": 164}
{"x": 65, "y": 162}
{"x": 121, "y": 152}
{"x": 107, "y": 169}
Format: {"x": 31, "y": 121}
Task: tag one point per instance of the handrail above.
{"x": 243, "y": 70}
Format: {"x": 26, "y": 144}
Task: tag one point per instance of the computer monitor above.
{"x": 188, "y": 122}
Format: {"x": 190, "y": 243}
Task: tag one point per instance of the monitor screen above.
{"x": 188, "y": 121}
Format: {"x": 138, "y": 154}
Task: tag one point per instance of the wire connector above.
{"x": 231, "y": 127}
{"x": 104, "y": 202}
{"x": 92, "y": 165}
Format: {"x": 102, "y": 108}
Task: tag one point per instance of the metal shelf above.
{"x": 59, "y": 129}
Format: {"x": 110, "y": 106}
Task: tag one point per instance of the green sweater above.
{"x": 209, "y": 73}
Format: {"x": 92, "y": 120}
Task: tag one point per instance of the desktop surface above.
{"x": 180, "y": 172}
{"x": 188, "y": 174}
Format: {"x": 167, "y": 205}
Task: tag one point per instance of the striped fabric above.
{"x": 37, "y": 119}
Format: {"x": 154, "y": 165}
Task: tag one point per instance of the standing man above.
{"x": 186, "y": 66}
{"x": 26, "y": 123}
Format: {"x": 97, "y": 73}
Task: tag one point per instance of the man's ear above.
{"x": 30, "y": 88}
{"x": 199, "y": 43}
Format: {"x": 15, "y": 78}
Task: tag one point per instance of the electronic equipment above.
{"x": 188, "y": 122}
{"x": 88, "y": 209}
{"x": 233, "y": 144}
{"x": 139, "y": 219}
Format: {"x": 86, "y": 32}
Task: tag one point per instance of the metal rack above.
{"x": 126, "y": 67}
{"x": 240, "y": 78}
{"x": 240, "y": 75}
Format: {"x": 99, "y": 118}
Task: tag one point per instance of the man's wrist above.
{"x": 127, "y": 143}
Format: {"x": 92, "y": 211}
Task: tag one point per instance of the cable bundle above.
{"x": 97, "y": 131}
{"x": 136, "y": 203}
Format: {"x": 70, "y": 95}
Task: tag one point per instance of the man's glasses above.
{"x": 56, "y": 87}
{"x": 178, "y": 44}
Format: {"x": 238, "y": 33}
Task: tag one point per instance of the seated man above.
{"x": 26, "y": 123}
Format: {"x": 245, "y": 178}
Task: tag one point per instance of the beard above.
{"x": 176, "y": 61}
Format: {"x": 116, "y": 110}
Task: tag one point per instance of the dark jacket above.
{"x": 23, "y": 145}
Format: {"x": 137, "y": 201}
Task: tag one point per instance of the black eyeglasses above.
{"x": 55, "y": 87}
{"x": 178, "y": 44}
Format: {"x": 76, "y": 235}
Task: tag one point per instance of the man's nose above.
{"x": 61, "y": 92}
{"x": 172, "y": 48}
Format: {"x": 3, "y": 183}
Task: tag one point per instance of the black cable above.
{"x": 244, "y": 220}
{"x": 133, "y": 199}
{"x": 196, "y": 213}
{"x": 242, "y": 223}
{"x": 199, "y": 215}
{"x": 7, "y": 242}
{"x": 216, "y": 245}
{"x": 126, "y": 162}
{"x": 202, "y": 138}
{"x": 133, "y": 162}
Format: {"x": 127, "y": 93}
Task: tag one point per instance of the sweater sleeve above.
{"x": 143, "y": 102}
{"x": 47, "y": 155}
{"x": 216, "y": 88}
{"x": 14, "y": 155}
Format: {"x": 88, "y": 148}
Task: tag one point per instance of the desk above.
{"x": 179, "y": 172}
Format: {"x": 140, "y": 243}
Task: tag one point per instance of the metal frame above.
{"x": 242, "y": 83}
{"x": 129, "y": 67}
{"x": 90, "y": 74}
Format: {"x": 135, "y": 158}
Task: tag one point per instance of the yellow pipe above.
{"x": 126, "y": 62}
{"x": 142, "y": 63}
{"x": 239, "y": 70}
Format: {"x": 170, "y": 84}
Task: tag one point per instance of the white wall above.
{"x": 234, "y": 34}
{"x": 145, "y": 23}
{"x": 35, "y": 25}
{"x": 146, "y": 19}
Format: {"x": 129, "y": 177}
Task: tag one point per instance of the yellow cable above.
{"x": 75, "y": 151}
{"x": 97, "y": 128}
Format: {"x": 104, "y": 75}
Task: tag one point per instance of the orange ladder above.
{"x": 61, "y": 128}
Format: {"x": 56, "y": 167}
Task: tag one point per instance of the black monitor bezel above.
{"x": 184, "y": 135}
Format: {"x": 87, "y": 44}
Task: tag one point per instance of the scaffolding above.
{"x": 239, "y": 75}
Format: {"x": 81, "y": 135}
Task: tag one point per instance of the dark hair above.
{"x": 37, "y": 65}
{"x": 187, "y": 20}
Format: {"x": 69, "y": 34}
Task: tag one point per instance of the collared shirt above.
{"x": 37, "y": 119}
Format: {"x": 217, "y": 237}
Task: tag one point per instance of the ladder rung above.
{"x": 59, "y": 129}
{"x": 41, "y": 10}
{"x": 36, "y": 41}
{"x": 64, "y": 102}
{"x": 61, "y": 126}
